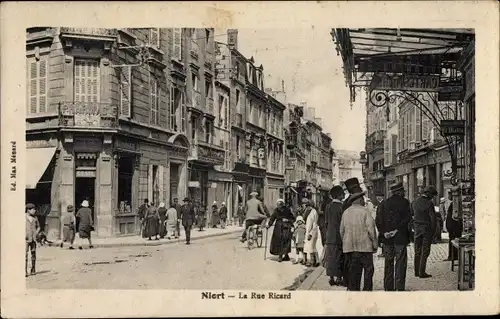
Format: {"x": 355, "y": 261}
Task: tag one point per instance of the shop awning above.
{"x": 38, "y": 160}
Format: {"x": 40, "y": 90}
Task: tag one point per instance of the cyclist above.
{"x": 255, "y": 214}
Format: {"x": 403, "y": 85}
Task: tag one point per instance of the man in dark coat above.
{"x": 321, "y": 218}
{"x": 334, "y": 258}
{"x": 454, "y": 225}
{"x": 424, "y": 222}
{"x": 392, "y": 220}
{"x": 177, "y": 207}
{"x": 281, "y": 240}
{"x": 141, "y": 213}
{"x": 188, "y": 217}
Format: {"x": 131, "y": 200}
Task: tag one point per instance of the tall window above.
{"x": 177, "y": 112}
{"x": 194, "y": 80}
{"x": 87, "y": 80}
{"x": 154, "y": 101}
{"x": 208, "y": 88}
{"x": 177, "y": 44}
{"x": 220, "y": 109}
{"x": 226, "y": 112}
{"x": 207, "y": 36}
{"x": 37, "y": 85}
{"x": 194, "y": 128}
{"x": 238, "y": 151}
{"x": 154, "y": 37}
{"x": 238, "y": 106}
{"x": 208, "y": 132}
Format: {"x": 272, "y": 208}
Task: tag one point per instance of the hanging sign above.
{"x": 453, "y": 127}
{"x": 405, "y": 82}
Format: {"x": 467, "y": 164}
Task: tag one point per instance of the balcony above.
{"x": 196, "y": 100}
{"x": 90, "y": 33}
{"x": 207, "y": 153}
{"x": 88, "y": 115}
{"x": 39, "y": 35}
{"x": 375, "y": 141}
{"x": 209, "y": 105}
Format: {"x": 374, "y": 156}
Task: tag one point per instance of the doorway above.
{"x": 174, "y": 181}
{"x": 85, "y": 190}
{"x": 125, "y": 175}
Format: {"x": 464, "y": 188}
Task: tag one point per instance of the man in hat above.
{"x": 424, "y": 223}
{"x": 392, "y": 220}
{"x": 334, "y": 257}
{"x": 32, "y": 229}
{"x": 188, "y": 217}
{"x": 359, "y": 238}
{"x": 255, "y": 214}
{"x": 177, "y": 207}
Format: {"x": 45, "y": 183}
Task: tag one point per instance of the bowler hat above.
{"x": 336, "y": 191}
{"x": 430, "y": 190}
{"x": 30, "y": 206}
{"x": 186, "y": 199}
{"x": 396, "y": 186}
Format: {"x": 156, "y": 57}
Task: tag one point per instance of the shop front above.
{"x": 221, "y": 190}
{"x": 240, "y": 179}
{"x": 256, "y": 182}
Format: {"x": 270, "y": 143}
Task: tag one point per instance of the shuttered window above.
{"x": 426, "y": 126}
{"x": 126, "y": 91}
{"x": 177, "y": 44}
{"x": 154, "y": 37}
{"x": 87, "y": 81}
{"x": 173, "y": 109}
{"x": 226, "y": 112}
{"x": 154, "y": 101}
{"x": 37, "y": 85}
{"x": 418, "y": 125}
{"x": 183, "y": 127}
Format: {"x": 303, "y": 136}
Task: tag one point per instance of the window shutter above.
{"x": 394, "y": 141}
{"x": 425, "y": 127}
{"x": 171, "y": 111}
{"x": 177, "y": 43}
{"x": 183, "y": 127}
{"x": 42, "y": 90}
{"x": 418, "y": 125}
{"x": 126, "y": 91}
{"x": 386, "y": 152}
{"x": 226, "y": 111}
{"x": 33, "y": 69}
{"x": 150, "y": 182}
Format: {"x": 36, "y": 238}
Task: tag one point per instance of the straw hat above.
{"x": 85, "y": 203}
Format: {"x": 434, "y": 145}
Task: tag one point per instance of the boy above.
{"x": 32, "y": 229}
{"x": 299, "y": 236}
{"x": 69, "y": 227}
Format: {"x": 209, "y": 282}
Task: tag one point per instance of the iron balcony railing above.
{"x": 88, "y": 115}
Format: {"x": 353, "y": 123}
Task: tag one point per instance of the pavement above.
{"x": 443, "y": 279}
{"x": 220, "y": 262}
{"x": 136, "y": 240}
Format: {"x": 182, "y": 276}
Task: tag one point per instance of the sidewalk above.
{"x": 136, "y": 240}
{"x": 443, "y": 279}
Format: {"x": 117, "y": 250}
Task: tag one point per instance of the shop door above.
{"x": 174, "y": 181}
{"x": 85, "y": 190}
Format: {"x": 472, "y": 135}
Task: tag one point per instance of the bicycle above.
{"x": 255, "y": 234}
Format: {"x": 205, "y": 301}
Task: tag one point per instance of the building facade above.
{"x": 106, "y": 122}
{"x": 205, "y": 153}
{"x": 346, "y": 164}
{"x": 376, "y": 126}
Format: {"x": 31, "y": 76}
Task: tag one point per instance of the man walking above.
{"x": 177, "y": 207}
{"x": 359, "y": 239}
{"x": 392, "y": 220}
{"x": 424, "y": 221}
{"x": 334, "y": 257}
{"x": 188, "y": 217}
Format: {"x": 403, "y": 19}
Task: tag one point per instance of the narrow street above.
{"x": 213, "y": 263}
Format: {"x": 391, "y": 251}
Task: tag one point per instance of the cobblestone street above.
{"x": 213, "y": 263}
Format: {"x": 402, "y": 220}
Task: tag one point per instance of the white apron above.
{"x": 311, "y": 229}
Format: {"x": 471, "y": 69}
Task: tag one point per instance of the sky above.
{"x": 307, "y": 61}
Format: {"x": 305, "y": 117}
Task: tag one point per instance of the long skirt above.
{"x": 151, "y": 228}
{"x": 84, "y": 231}
{"x": 333, "y": 260}
{"x": 281, "y": 240}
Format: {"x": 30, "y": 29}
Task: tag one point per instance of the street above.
{"x": 213, "y": 263}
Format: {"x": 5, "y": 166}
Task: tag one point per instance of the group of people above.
{"x": 80, "y": 222}
{"x": 160, "y": 222}
{"x": 351, "y": 235}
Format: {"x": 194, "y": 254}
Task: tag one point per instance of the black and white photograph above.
{"x": 260, "y": 163}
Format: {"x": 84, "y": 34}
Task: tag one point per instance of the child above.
{"x": 69, "y": 227}
{"x": 32, "y": 230}
{"x": 299, "y": 236}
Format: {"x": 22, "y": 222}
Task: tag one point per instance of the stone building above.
{"x": 106, "y": 121}
{"x": 205, "y": 153}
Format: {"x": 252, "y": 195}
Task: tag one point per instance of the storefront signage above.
{"x": 194, "y": 184}
{"x": 453, "y": 127}
{"x": 405, "y": 82}
{"x": 91, "y": 120}
{"x": 85, "y": 173}
{"x": 450, "y": 91}
{"x": 41, "y": 143}
{"x": 420, "y": 161}
{"x": 126, "y": 145}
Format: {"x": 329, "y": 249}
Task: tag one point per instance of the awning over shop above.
{"x": 38, "y": 160}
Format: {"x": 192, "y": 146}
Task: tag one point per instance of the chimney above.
{"x": 317, "y": 120}
{"x": 232, "y": 38}
{"x": 312, "y": 113}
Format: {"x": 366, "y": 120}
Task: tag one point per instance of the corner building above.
{"x": 104, "y": 127}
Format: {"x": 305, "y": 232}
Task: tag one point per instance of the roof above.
{"x": 424, "y": 51}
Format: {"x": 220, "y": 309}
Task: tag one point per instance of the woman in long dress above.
{"x": 86, "y": 224}
{"x": 312, "y": 258}
{"x": 281, "y": 240}
{"x": 171, "y": 222}
{"x": 152, "y": 222}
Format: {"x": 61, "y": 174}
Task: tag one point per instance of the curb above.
{"x": 311, "y": 279}
{"x": 161, "y": 243}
